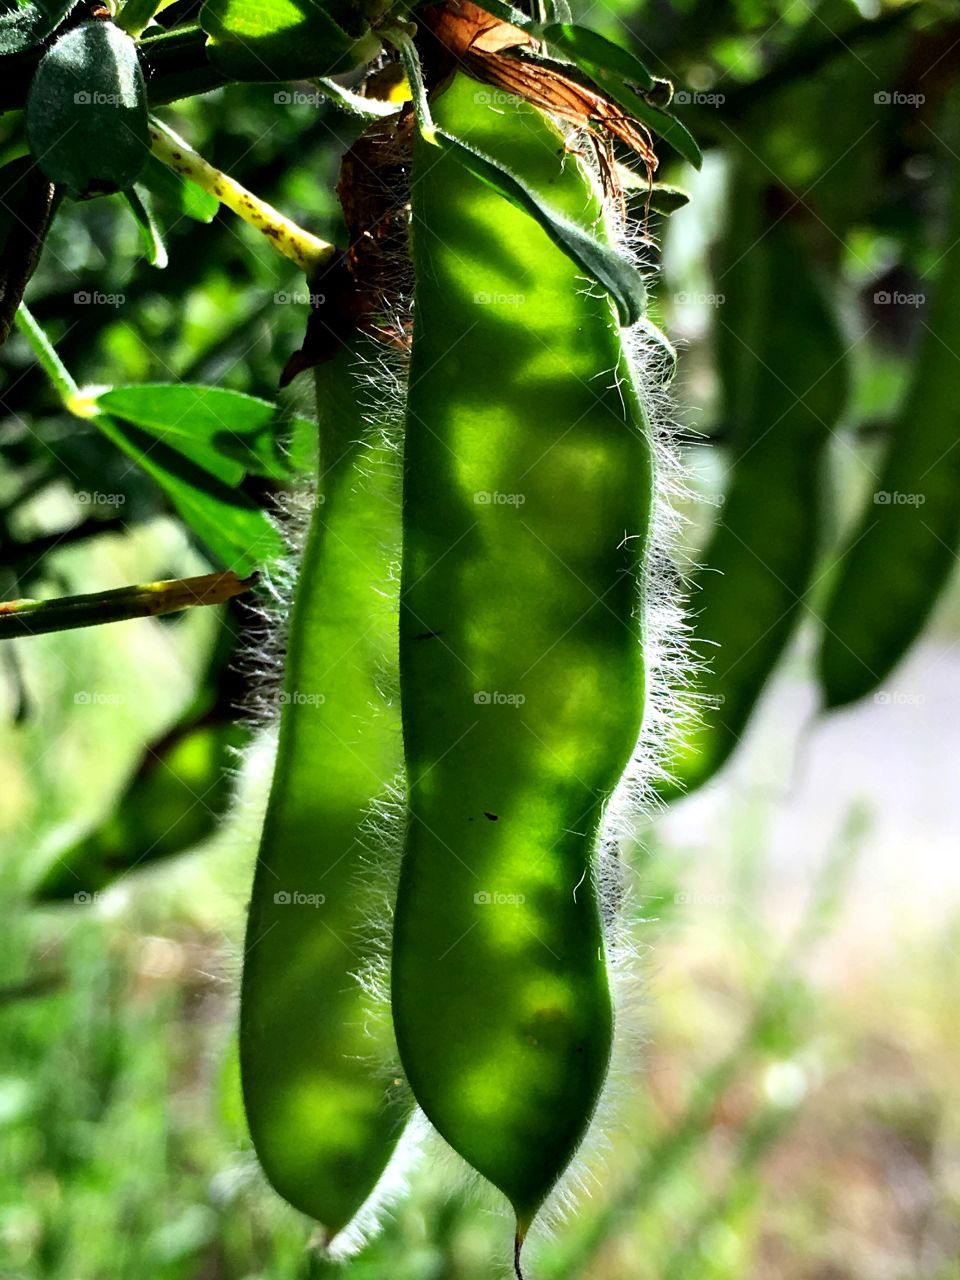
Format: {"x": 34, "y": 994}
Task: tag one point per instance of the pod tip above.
{"x": 517, "y": 1246}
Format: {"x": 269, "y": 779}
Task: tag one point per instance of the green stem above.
{"x": 145, "y": 600}
{"x": 355, "y": 103}
{"x": 401, "y": 40}
{"x": 44, "y": 350}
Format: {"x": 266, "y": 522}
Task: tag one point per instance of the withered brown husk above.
{"x": 362, "y": 289}
{"x": 492, "y": 51}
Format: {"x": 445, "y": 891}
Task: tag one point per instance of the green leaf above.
{"x": 667, "y": 199}
{"x": 236, "y": 531}
{"x": 662, "y": 196}
{"x": 610, "y": 269}
{"x": 226, "y": 432}
{"x": 507, "y": 13}
{"x": 283, "y": 39}
{"x": 24, "y": 25}
{"x": 154, "y": 249}
{"x": 87, "y": 110}
{"x": 179, "y": 192}
{"x": 595, "y": 53}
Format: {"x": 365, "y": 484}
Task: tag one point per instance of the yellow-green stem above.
{"x": 308, "y": 251}
{"x": 144, "y": 600}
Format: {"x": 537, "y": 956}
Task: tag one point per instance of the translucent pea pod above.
{"x": 527, "y": 504}
{"x": 783, "y": 361}
{"x": 904, "y": 548}
{"x": 324, "y": 1112}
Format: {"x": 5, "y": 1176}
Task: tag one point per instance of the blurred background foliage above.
{"x": 787, "y": 1102}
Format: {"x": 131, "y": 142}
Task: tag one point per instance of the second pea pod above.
{"x": 527, "y": 504}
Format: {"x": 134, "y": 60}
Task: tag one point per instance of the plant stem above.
{"x": 300, "y": 246}
{"x": 145, "y": 600}
{"x": 43, "y": 349}
{"x": 401, "y": 40}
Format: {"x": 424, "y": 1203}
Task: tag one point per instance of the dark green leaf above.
{"x": 595, "y": 53}
{"x": 87, "y": 110}
{"x": 659, "y": 122}
{"x": 153, "y": 247}
{"x": 666, "y": 199}
{"x": 663, "y": 198}
{"x": 610, "y": 269}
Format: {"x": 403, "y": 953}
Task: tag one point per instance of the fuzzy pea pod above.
{"x": 904, "y": 547}
{"x": 527, "y": 504}
{"x": 323, "y": 1109}
{"x": 782, "y": 359}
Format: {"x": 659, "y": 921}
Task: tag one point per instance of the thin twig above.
{"x": 144, "y": 600}
{"x": 308, "y": 251}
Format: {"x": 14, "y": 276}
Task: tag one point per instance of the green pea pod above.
{"x": 782, "y": 359}
{"x": 177, "y": 798}
{"x": 904, "y": 548}
{"x": 527, "y": 501}
{"x": 313, "y": 1047}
